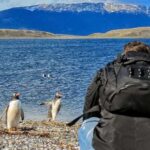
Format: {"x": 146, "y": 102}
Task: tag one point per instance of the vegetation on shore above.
{"x": 141, "y": 32}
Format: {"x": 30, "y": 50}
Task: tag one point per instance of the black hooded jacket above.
{"x": 116, "y": 132}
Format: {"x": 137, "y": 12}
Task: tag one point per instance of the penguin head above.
{"x": 16, "y": 95}
{"x": 58, "y": 95}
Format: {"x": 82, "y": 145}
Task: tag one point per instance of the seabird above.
{"x": 14, "y": 113}
{"x": 54, "y": 106}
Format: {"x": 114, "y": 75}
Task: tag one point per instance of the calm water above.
{"x": 71, "y": 65}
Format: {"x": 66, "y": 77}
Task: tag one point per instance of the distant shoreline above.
{"x": 84, "y": 38}
{"x": 141, "y": 32}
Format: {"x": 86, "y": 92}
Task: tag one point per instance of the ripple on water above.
{"x": 71, "y": 64}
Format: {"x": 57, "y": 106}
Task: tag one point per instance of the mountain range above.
{"x": 76, "y": 19}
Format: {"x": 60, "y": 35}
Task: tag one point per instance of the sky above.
{"x": 6, "y": 4}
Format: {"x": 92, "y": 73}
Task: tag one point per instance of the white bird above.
{"x": 14, "y": 113}
{"x": 54, "y": 106}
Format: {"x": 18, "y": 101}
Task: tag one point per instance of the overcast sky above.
{"x": 5, "y": 4}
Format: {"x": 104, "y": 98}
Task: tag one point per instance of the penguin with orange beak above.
{"x": 54, "y": 106}
{"x": 14, "y": 113}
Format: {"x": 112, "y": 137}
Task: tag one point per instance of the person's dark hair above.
{"x": 137, "y": 46}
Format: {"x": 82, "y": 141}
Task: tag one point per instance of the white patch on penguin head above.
{"x": 58, "y": 94}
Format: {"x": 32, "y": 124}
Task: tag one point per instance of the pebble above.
{"x": 44, "y": 136}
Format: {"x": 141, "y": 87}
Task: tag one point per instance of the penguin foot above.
{"x": 12, "y": 130}
{"x": 49, "y": 119}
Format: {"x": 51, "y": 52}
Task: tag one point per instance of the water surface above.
{"x": 71, "y": 64}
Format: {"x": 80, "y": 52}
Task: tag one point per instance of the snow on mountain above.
{"x": 125, "y": 7}
{"x": 76, "y": 19}
{"x": 94, "y": 7}
{"x": 91, "y": 7}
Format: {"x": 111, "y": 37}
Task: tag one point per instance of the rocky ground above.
{"x": 40, "y": 135}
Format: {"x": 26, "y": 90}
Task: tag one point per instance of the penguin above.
{"x": 47, "y": 76}
{"x": 14, "y": 113}
{"x": 54, "y": 106}
{"x": 44, "y": 75}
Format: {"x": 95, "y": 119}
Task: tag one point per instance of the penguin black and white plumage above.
{"x": 14, "y": 113}
{"x": 54, "y": 106}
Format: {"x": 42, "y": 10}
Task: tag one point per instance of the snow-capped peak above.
{"x": 92, "y": 7}
{"x": 59, "y": 7}
{"x": 125, "y": 7}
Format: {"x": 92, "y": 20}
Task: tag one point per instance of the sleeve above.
{"x": 92, "y": 95}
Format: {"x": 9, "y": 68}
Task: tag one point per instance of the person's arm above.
{"x": 92, "y": 96}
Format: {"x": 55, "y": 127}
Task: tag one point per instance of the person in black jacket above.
{"x": 103, "y": 130}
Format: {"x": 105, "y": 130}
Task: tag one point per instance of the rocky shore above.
{"x": 40, "y": 135}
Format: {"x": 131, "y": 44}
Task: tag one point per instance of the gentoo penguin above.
{"x": 46, "y": 75}
{"x": 14, "y": 113}
{"x": 54, "y": 106}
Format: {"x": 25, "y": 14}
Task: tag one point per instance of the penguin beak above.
{"x": 17, "y": 94}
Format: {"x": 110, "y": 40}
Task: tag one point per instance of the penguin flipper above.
{"x": 4, "y": 115}
{"x": 50, "y": 111}
{"x": 47, "y": 103}
{"x": 59, "y": 107}
{"x": 43, "y": 103}
{"x": 22, "y": 114}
